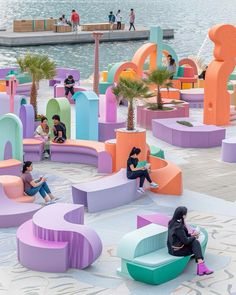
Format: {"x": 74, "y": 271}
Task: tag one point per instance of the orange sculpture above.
{"x": 217, "y": 97}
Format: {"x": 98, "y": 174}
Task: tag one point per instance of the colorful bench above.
{"x": 10, "y": 167}
{"x": 228, "y": 151}
{"x": 106, "y": 193}
{"x": 33, "y": 149}
{"x": 56, "y": 244}
{"x": 145, "y": 258}
{"x": 14, "y": 189}
{"x": 13, "y": 213}
{"x": 84, "y": 152}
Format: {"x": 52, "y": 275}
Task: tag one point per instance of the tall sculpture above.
{"x": 97, "y": 36}
{"x": 217, "y": 97}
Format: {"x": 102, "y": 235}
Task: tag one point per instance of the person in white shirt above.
{"x": 42, "y": 132}
{"x": 118, "y": 20}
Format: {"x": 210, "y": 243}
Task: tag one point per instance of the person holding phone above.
{"x": 181, "y": 243}
{"x": 32, "y": 187}
{"x": 134, "y": 172}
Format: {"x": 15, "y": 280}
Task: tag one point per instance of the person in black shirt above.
{"x": 59, "y": 130}
{"x": 69, "y": 84}
{"x": 134, "y": 172}
{"x": 181, "y": 243}
{"x": 203, "y": 74}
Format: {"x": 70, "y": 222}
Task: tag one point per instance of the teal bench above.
{"x": 145, "y": 258}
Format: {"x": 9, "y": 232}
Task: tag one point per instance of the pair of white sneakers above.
{"x": 152, "y": 185}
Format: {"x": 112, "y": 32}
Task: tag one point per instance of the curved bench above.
{"x": 13, "y": 213}
{"x": 167, "y": 175}
{"x": 228, "y": 151}
{"x": 195, "y": 97}
{"x": 14, "y": 189}
{"x": 106, "y": 193}
{"x": 10, "y": 167}
{"x": 198, "y": 136}
{"x": 58, "y": 243}
{"x": 33, "y": 149}
{"x": 84, "y": 152}
{"x": 145, "y": 258}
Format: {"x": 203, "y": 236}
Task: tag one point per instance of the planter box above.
{"x": 99, "y": 27}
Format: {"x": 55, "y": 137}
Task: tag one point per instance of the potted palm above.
{"x": 127, "y": 138}
{"x": 39, "y": 67}
{"x": 130, "y": 89}
{"x": 160, "y": 78}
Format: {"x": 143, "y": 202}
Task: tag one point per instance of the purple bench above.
{"x": 228, "y": 151}
{"x": 84, "y": 152}
{"x": 198, "y": 136}
{"x": 106, "y": 193}
{"x": 62, "y": 74}
{"x": 33, "y": 149}
{"x": 56, "y": 244}
{"x": 13, "y": 213}
{"x": 194, "y": 97}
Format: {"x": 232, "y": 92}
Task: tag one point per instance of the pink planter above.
{"x": 145, "y": 116}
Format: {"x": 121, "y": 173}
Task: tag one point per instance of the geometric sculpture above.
{"x": 108, "y": 122}
{"x": 61, "y": 107}
{"x": 217, "y": 97}
{"x": 13, "y": 213}
{"x": 27, "y": 118}
{"x": 56, "y": 244}
{"x": 86, "y": 115}
{"x": 11, "y": 134}
{"x": 5, "y": 103}
{"x": 145, "y": 258}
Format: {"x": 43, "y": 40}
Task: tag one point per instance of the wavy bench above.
{"x": 145, "y": 258}
{"x": 106, "y": 193}
{"x": 167, "y": 175}
{"x": 33, "y": 149}
{"x": 58, "y": 243}
{"x": 14, "y": 189}
{"x": 13, "y": 213}
{"x": 10, "y": 167}
{"x": 84, "y": 152}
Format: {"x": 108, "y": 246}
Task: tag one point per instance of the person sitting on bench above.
{"x": 134, "y": 172}
{"x": 59, "y": 130}
{"x": 69, "y": 84}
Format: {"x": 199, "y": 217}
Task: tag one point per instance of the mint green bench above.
{"x": 157, "y": 152}
{"x": 145, "y": 258}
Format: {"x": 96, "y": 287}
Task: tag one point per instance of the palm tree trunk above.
{"x": 33, "y": 97}
{"x": 130, "y": 119}
{"x": 159, "y": 100}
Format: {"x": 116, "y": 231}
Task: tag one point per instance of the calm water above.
{"x": 190, "y": 19}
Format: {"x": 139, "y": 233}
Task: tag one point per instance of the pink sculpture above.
{"x": 97, "y": 36}
{"x": 57, "y": 239}
{"x": 11, "y": 86}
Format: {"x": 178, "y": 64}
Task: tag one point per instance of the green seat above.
{"x": 156, "y": 258}
{"x": 157, "y": 152}
{"x": 180, "y": 72}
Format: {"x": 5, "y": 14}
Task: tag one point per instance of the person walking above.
{"x": 75, "y": 20}
{"x": 118, "y": 20}
{"x": 131, "y": 19}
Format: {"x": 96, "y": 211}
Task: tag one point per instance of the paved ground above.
{"x": 209, "y": 194}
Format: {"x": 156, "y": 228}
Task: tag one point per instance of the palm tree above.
{"x": 159, "y": 77}
{"x": 39, "y": 67}
{"x": 130, "y": 89}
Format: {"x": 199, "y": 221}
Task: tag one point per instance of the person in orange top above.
{"x": 75, "y": 19}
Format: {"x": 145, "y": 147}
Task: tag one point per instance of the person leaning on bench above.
{"x": 59, "y": 130}
{"x": 134, "y": 172}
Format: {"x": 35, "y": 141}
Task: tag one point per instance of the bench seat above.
{"x": 10, "y": 167}
{"x": 33, "y": 149}
{"x": 106, "y": 193}
{"x": 84, "y": 152}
